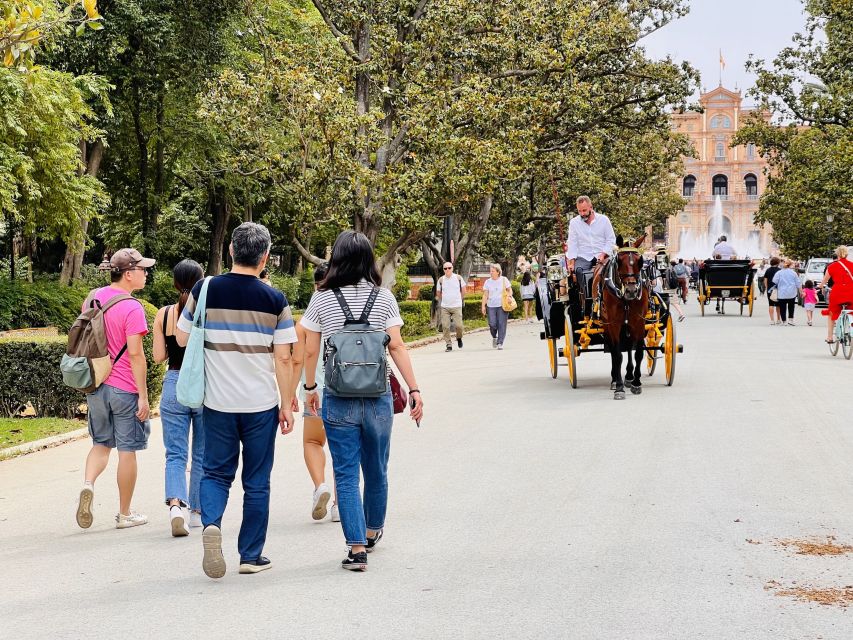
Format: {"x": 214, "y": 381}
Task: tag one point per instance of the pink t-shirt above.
{"x": 809, "y": 296}
{"x": 125, "y": 319}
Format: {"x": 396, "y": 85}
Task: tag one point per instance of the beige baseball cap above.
{"x": 125, "y": 259}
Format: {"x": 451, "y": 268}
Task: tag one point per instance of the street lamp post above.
{"x": 829, "y": 218}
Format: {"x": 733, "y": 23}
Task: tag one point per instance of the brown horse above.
{"x": 624, "y": 303}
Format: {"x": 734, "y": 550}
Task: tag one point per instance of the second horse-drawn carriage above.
{"x": 582, "y": 316}
{"x": 723, "y": 280}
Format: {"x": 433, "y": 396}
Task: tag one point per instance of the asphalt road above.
{"x": 520, "y": 509}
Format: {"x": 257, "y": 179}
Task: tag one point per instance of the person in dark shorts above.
{"x": 775, "y": 318}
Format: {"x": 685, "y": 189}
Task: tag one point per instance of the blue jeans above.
{"x": 224, "y": 432}
{"x": 497, "y": 323}
{"x": 359, "y": 434}
{"x": 176, "y": 419}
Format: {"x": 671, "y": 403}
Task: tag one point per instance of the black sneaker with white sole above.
{"x": 355, "y": 561}
{"x": 372, "y": 542}
{"x": 459, "y": 342}
{"x": 255, "y": 566}
{"x": 449, "y": 347}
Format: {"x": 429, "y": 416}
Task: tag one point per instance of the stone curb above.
{"x": 71, "y": 436}
{"x": 44, "y": 443}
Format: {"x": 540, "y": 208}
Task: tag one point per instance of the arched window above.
{"x": 689, "y": 186}
{"x": 721, "y": 122}
{"x": 727, "y": 227}
{"x": 720, "y": 185}
{"x": 720, "y": 153}
{"x": 751, "y": 183}
{"x": 750, "y": 151}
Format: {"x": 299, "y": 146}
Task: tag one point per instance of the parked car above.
{"x": 815, "y": 268}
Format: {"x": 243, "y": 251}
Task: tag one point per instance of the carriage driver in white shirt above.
{"x": 591, "y": 238}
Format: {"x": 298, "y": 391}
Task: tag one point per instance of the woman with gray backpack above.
{"x": 357, "y": 320}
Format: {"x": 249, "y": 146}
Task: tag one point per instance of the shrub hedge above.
{"x": 29, "y": 373}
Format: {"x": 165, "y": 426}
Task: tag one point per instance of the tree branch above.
{"x": 305, "y": 253}
{"x": 339, "y": 35}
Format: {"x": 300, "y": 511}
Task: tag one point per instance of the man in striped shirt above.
{"x": 248, "y": 390}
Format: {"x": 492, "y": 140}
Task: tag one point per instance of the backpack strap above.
{"x": 344, "y": 306}
{"x": 368, "y": 306}
{"x": 112, "y": 302}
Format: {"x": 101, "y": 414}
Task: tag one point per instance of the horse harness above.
{"x": 613, "y": 281}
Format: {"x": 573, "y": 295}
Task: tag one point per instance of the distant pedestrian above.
{"x": 451, "y": 295}
{"x": 248, "y": 333}
{"x": 264, "y": 276}
{"x": 358, "y": 428}
{"x": 184, "y": 506}
{"x": 694, "y": 271}
{"x": 118, "y": 409}
{"x": 528, "y": 296}
{"x": 788, "y": 287}
{"x": 809, "y": 300}
{"x": 723, "y": 250}
{"x": 493, "y": 291}
{"x": 682, "y": 274}
{"x": 759, "y": 274}
{"x": 313, "y": 433}
{"x": 769, "y": 287}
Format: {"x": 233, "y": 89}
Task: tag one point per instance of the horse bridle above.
{"x": 616, "y": 283}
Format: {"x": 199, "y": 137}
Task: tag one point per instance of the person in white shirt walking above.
{"x": 450, "y": 292}
{"x": 591, "y": 238}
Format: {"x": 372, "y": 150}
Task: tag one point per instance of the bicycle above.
{"x": 843, "y": 333}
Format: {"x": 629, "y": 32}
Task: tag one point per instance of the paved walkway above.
{"x": 521, "y": 509}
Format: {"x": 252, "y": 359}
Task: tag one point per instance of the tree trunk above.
{"x": 72, "y": 263}
{"x": 142, "y": 185}
{"x": 469, "y": 243}
{"x": 220, "y": 214}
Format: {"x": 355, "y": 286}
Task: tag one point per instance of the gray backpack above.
{"x": 356, "y": 366}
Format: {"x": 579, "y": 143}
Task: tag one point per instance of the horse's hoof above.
{"x": 619, "y": 395}
{"x": 636, "y": 390}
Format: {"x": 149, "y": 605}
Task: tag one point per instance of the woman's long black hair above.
{"x": 186, "y": 273}
{"x": 352, "y": 260}
{"x": 525, "y": 279}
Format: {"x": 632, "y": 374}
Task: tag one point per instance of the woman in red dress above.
{"x": 841, "y": 272}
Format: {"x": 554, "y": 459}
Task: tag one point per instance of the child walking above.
{"x": 809, "y": 300}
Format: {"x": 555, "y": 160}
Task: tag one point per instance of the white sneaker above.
{"x": 500, "y": 347}
{"x": 790, "y": 323}
{"x": 321, "y": 499}
{"x": 213, "y": 562}
{"x": 195, "y": 519}
{"x": 177, "y": 516}
{"x": 133, "y": 520}
{"x": 336, "y": 514}
{"x": 494, "y": 342}
{"x": 84, "y": 506}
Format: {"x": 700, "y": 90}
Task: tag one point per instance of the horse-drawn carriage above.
{"x": 723, "y": 280}
{"x": 574, "y": 313}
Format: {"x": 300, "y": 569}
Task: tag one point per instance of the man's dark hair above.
{"x": 681, "y": 261}
{"x": 352, "y": 260}
{"x": 250, "y": 242}
{"x": 774, "y": 261}
{"x": 115, "y": 276}
{"x": 722, "y": 238}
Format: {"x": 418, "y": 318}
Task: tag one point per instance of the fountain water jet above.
{"x": 702, "y": 245}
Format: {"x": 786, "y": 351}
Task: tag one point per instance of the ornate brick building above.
{"x": 735, "y": 174}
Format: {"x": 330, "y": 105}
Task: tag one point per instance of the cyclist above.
{"x": 841, "y": 272}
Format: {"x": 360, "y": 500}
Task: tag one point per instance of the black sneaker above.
{"x": 372, "y": 542}
{"x": 449, "y": 347}
{"x": 255, "y": 566}
{"x": 355, "y": 561}
{"x": 459, "y": 342}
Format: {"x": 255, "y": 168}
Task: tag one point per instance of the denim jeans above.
{"x": 176, "y": 419}
{"x": 224, "y": 432}
{"x": 359, "y": 434}
{"x": 497, "y": 322}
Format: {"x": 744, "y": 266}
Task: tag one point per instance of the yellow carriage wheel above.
{"x": 702, "y": 297}
{"x": 569, "y": 352}
{"x": 552, "y": 356}
{"x": 670, "y": 347}
{"x": 751, "y": 298}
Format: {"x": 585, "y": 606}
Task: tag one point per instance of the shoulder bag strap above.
{"x": 844, "y": 266}
{"x": 368, "y": 306}
{"x": 343, "y": 304}
{"x": 201, "y": 305}
{"x": 165, "y": 321}
{"x": 460, "y": 283}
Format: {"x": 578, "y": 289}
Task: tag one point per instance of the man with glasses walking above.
{"x": 118, "y": 409}
{"x": 450, "y": 293}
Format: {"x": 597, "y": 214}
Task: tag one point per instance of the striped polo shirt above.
{"x": 244, "y": 319}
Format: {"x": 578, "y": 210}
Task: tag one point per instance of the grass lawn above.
{"x": 14, "y": 431}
